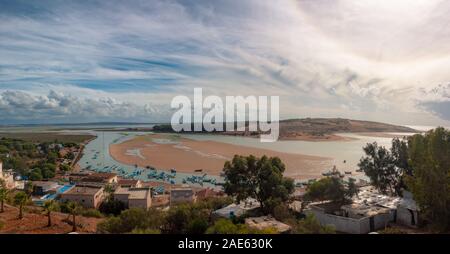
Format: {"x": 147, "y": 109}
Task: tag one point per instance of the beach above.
{"x": 166, "y": 151}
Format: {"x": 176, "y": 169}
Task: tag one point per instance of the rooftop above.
{"x": 265, "y": 222}
{"x": 98, "y": 177}
{"x": 45, "y": 184}
{"x": 83, "y": 190}
{"x": 128, "y": 182}
{"x": 134, "y": 193}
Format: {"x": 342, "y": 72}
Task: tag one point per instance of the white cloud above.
{"x": 364, "y": 59}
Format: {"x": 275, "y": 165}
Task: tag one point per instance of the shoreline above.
{"x": 166, "y": 151}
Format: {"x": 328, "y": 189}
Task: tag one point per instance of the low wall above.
{"x": 343, "y": 224}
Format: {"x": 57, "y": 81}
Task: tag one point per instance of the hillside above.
{"x": 321, "y": 126}
{"x": 316, "y": 129}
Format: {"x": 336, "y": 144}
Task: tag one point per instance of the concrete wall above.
{"x": 343, "y": 224}
{"x": 87, "y": 201}
{"x": 140, "y": 203}
{"x": 381, "y": 220}
{"x": 404, "y": 216}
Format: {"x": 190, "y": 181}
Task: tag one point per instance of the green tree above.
{"x": 112, "y": 206}
{"x": 64, "y": 167}
{"x": 352, "y": 189}
{"x": 35, "y": 175}
{"x": 4, "y": 192}
{"x": 49, "y": 207}
{"x": 261, "y": 179}
{"x": 74, "y": 209}
{"x": 430, "y": 182}
{"x": 380, "y": 166}
{"x": 21, "y": 199}
{"x": 328, "y": 188}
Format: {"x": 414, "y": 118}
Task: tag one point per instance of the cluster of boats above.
{"x": 163, "y": 176}
{"x": 201, "y": 180}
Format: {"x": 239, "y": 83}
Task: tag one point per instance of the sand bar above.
{"x": 166, "y": 151}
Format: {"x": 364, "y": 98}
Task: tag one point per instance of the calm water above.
{"x": 344, "y": 154}
{"x": 96, "y": 157}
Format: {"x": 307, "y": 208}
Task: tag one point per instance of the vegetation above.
{"x": 112, "y": 207}
{"x": 261, "y": 179}
{"x": 4, "y": 192}
{"x": 91, "y": 213}
{"x": 430, "y": 180}
{"x": 134, "y": 219}
{"x": 43, "y": 137}
{"x": 310, "y": 225}
{"x": 49, "y": 207}
{"x": 35, "y": 160}
{"x": 331, "y": 188}
{"x": 384, "y": 167}
{"x": 226, "y": 226}
{"x": 21, "y": 199}
{"x": 74, "y": 209}
{"x": 420, "y": 164}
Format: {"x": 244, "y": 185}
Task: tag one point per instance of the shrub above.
{"x": 91, "y": 213}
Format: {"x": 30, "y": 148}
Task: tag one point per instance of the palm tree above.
{"x": 49, "y": 207}
{"x": 74, "y": 208}
{"x": 3, "y": 196}
{"x": 21, "y": 199}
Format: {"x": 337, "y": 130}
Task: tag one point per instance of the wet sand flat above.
{"x": 165, "y": 151}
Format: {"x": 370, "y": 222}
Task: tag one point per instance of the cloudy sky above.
{"x": 88, "y": 61}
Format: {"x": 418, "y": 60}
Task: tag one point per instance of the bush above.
{"x": 91, "y": 213}
{"x": 131, "y": 220}
{"x": 226, "y": 226}
{"x": 310, "y": 225}
{"x": 112, "y": 207}
{"x": 282, "y": 212}
{"x": 146, "y": 232}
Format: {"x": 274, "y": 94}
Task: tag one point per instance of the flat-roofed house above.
{"x": 89, "y": 196}
{"x": 106, "y": 178}
{"x": 129, "y": 183}
{"x": 134, "y": 197}
{"x": 181, "y": 195}
{"x": 44, "y": 187}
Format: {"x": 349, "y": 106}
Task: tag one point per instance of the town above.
{"x": 43, "y": 190}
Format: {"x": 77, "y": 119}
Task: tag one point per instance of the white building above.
{"x": 7, "y": 177}
{"x": 237, "y": 210}
{"x": 369, "y": 211}
{"x": 134, "y": 197}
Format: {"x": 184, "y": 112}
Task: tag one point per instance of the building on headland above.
{"x": 181, "y": 195}
{"x": 267, "y": 222}
{"x": 104, "y": 178}
{"x": 134, "y": 197}
{"x": 7, "y": 177}
{"x": 89, "y": 196}
{"x": 369, "y": 211}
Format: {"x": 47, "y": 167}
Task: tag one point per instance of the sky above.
{"x": 97, "y": 61}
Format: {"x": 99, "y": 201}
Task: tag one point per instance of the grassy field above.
{"x": 47, "y": 137}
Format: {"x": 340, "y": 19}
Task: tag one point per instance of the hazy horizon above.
{"x": 65, "y": 62}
